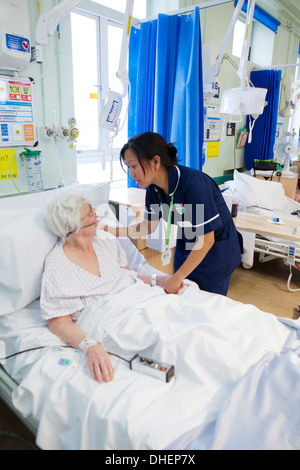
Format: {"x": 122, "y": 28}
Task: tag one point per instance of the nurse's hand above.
{"x": 173, "y": 284}
{"x": 99, "y": 363}
{"x": 115, "y": 231}
{"x": 108, "y": 228}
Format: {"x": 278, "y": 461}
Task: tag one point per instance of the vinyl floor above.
{"x": 14, "y": 435}
{"x": 265, "y": 286}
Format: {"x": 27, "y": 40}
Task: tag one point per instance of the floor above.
{"x": 265, "y": 285}
{"x": 14, "y": 435}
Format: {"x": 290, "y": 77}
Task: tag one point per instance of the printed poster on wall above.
{"x": 8, "y": 164}
{"x": 17, "y": 112}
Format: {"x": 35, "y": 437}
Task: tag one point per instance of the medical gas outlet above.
{"x": 72, "y": 132}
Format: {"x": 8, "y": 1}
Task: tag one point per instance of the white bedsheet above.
{"x": 260, "y": 198}
{"x": 216, "y": 345}
{"x": 249, "y": 238}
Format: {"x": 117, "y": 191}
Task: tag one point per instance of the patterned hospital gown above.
{"x": 67, "y": 288}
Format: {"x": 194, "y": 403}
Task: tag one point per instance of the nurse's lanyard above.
{"x": 167, "y": 254}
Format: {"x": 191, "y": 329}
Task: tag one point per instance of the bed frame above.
{"x": 97, "y": 193}
{"x": 269, "y": 250}
{"x": 7, "y": 386}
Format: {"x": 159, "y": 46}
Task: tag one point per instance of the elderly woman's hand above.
{"x": 170, "y": 283}
{"x": 99, "y": 363}
{"x": 98, "y": 359}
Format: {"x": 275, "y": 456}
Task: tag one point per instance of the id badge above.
{"x": 166, "y": 256}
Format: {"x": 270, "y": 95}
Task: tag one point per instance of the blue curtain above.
{"x": 264, "y": 131}
{"x": 165, "y": 72}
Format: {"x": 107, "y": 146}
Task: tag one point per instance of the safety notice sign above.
{"x": 17, "y": 112}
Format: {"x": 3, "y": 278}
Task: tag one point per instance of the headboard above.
{"x": 97, "y": 193}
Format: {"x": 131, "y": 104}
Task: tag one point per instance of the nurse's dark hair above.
{"x": 146, "y": 146}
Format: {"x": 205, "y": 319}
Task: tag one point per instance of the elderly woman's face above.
{"x": 88, "y": 217}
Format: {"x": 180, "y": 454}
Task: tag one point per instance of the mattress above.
{"x": 235, "y": 374}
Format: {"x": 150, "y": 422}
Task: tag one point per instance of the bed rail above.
{"x": 7, "y": 386}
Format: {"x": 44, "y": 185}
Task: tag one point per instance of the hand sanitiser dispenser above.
{"x": 15, "y": 52}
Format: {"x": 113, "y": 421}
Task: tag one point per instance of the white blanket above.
{"x": 212, "y": 341}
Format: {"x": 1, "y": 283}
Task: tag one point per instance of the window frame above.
{"x": 242, "y": 19}
{"x": 102, "y": 23}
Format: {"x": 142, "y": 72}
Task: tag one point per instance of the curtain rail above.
{"x": 189, "y": 9}
{"x": 275, "y": 66}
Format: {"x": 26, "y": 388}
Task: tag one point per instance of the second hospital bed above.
{"x": 236, "y": 382}
{"x": 268, "y": 220}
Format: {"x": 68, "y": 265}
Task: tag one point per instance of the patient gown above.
{"x": 67, "y": 288}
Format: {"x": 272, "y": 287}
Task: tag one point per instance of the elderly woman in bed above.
{"x": 79, "y": 270}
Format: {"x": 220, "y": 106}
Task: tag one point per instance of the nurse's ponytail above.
{"x": 172, "y": 151}
{"x": 149, "y": 144}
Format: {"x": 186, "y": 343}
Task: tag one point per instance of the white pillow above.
{"x": 26, "y": 241}
{"x": 254, "y": 192}
{"x": 25, "y": 244}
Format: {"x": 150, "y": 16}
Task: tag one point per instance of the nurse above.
{"x": 207, "y": 246}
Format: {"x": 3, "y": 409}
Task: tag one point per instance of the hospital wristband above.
{"x": 153, "y": 280}
{"x": 86, "y": 344}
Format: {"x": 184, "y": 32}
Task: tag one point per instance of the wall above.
{"x": 54, "y": 95}
{"x": 214, "y": 24}
{"x": 54, "y": 91}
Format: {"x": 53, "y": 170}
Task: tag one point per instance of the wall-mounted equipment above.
{"x": 46, "y": 27}
{"x": 32, "y": 161}
{"x": 71, "y": 132}
{"x": 15, "y": 50}
{"x": 48, "y": 22}
{"x": 290, "y": 96}
{"x": 109, "y": 118}
{"x": 17, "y": 112}
{"x": 245, "y": 100}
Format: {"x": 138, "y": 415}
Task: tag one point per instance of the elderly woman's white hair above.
{"x": 62, "y": 213}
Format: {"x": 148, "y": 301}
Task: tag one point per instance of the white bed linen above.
{"x": 262, "y": 198}
{"x": 216, "y": 345}
{"x": 249, "y": 238}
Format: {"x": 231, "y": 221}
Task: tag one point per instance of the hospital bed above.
{"x": 236, "y": 367}
{"x": 268, "y": 220}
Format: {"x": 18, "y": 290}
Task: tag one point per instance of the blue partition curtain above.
{"x": 165, "y": 72}
{"x": 264, "y": 131}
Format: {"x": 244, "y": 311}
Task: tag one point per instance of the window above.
{"x": 262, "y": 45}
{"x": 139, "y": 8}
{"x": 85, "y": 77}
{"x": 96, "y": 45}
{"x": 262, "y": 42}
{"x": 238, "y": 38}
